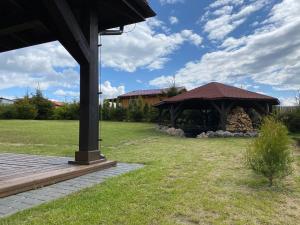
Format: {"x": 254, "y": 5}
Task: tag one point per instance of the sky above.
{"x": 253, "y": 44}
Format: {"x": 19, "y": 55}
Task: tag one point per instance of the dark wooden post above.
{"x": 223, "y": 117}
{"x": 174, "y": 113}
{"x": 223, "y": 113}
{"x": 81, "y": 40}
{"x": 89, "y": 99}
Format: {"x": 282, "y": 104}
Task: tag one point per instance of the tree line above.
{"x": 37, "y": 107}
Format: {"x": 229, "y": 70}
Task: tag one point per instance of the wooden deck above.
{"x": 20, "y": 172}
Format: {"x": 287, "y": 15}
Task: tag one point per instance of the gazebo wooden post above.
{"x": 160, "y": 113}
{"x": 223, "y": 111}
{"x": 174, "y": 113}
{"x": 172, "y": 116}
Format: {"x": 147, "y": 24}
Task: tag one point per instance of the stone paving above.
{"x": 15, "y": 203}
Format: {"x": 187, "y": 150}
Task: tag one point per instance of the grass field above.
{"x": 184, "y": 182}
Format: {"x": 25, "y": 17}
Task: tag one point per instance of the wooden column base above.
{"x": 88, "y": 158}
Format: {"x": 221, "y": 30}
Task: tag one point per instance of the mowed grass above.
{"x": 184, "y": 181}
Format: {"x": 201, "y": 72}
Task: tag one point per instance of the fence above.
{"x": 284, "y": 109}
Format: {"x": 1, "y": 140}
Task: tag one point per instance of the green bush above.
{"x": 25, "y": 110}
{"x": 7, "y": 112}
{"x": 269, "y": 154}
{"x": 153, "y": 115}
{"x": 291, "y": 120}
{"x": 69, "y": 111}
{"x": 117, "y": 112}
{"x": 136, "y": 110}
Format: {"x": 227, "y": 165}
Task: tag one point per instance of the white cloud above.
{"x": 288, "y": 101}
{"x": 219, "y": 3}
{"x": 163, "y": 2}
{"x": 108, "y": 91}
{"x": 173, "y": 20}
{"x": 144, "y": 47}
{"x": 38, "y": 66}
{"x": 63, "y": 93}
{"x": 224, "y": 10}
{"x": 269, "y": 56}
{"x": 226, "y": 21}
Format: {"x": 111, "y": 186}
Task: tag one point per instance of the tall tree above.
{"x": 45, "y": 108}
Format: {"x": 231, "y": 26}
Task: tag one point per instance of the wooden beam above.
{"x": 16, "y": 4}
{"x": 133, "y": 9}
{"x": 68, "y": 30}
{"x": 20, "y": 27}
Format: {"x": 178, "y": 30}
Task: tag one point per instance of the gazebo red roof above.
{"x": 218, "y": 91}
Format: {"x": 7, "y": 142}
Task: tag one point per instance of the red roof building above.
{"x": 150, "y": 97}
{"x": 217, "y": 91}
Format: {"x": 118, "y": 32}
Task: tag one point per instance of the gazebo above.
{"x": 76, "y": 24}
{"x": 214, "y": 101}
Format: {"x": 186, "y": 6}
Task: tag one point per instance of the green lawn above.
{"x": 185, "y": 181}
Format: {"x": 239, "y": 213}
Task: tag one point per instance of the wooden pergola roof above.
{"x": 217, "y": 91}
{"x": 26, "y": 23}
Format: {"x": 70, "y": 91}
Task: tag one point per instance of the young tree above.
{"x": 135, "y": 109}
{"x": 173, "y": 90}
{"x": 105, "y": 112}
{"x": 118, "y": 113}
{"x": 44, "y": 106}
{"x": 25, "y": 110}
{"x": 146, "y": 112}
{"x": 269, "y": 154}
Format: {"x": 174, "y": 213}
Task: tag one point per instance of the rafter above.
{"x": 69, "y": 31}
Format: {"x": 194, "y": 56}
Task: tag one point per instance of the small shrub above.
{"x": 69, "y": 111}
{"x": 153, "y": 115}
{"x": 269, "y": 154}
{"x": 25, "y": 110}
{"x": 7, "y": 112}
{"x": 136, "y": 110}
{"x": 117, "y": 112}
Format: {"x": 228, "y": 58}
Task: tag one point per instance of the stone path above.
{"x": 15, "y": 203}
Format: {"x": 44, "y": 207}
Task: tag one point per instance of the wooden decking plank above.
{"x": 20, "y": 172}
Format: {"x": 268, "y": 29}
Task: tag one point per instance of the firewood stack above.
{"x": 238, "y": 121}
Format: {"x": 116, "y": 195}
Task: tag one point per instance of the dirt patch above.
{"x": 186, "y": 220}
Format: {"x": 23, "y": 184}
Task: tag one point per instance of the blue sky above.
{"x": 254, "y": 44}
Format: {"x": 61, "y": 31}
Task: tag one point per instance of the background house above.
{"x": 5, "y": 101}
{"x": 150, "y": 97}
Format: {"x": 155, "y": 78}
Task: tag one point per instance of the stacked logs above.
{"x": 238, "y": 121}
